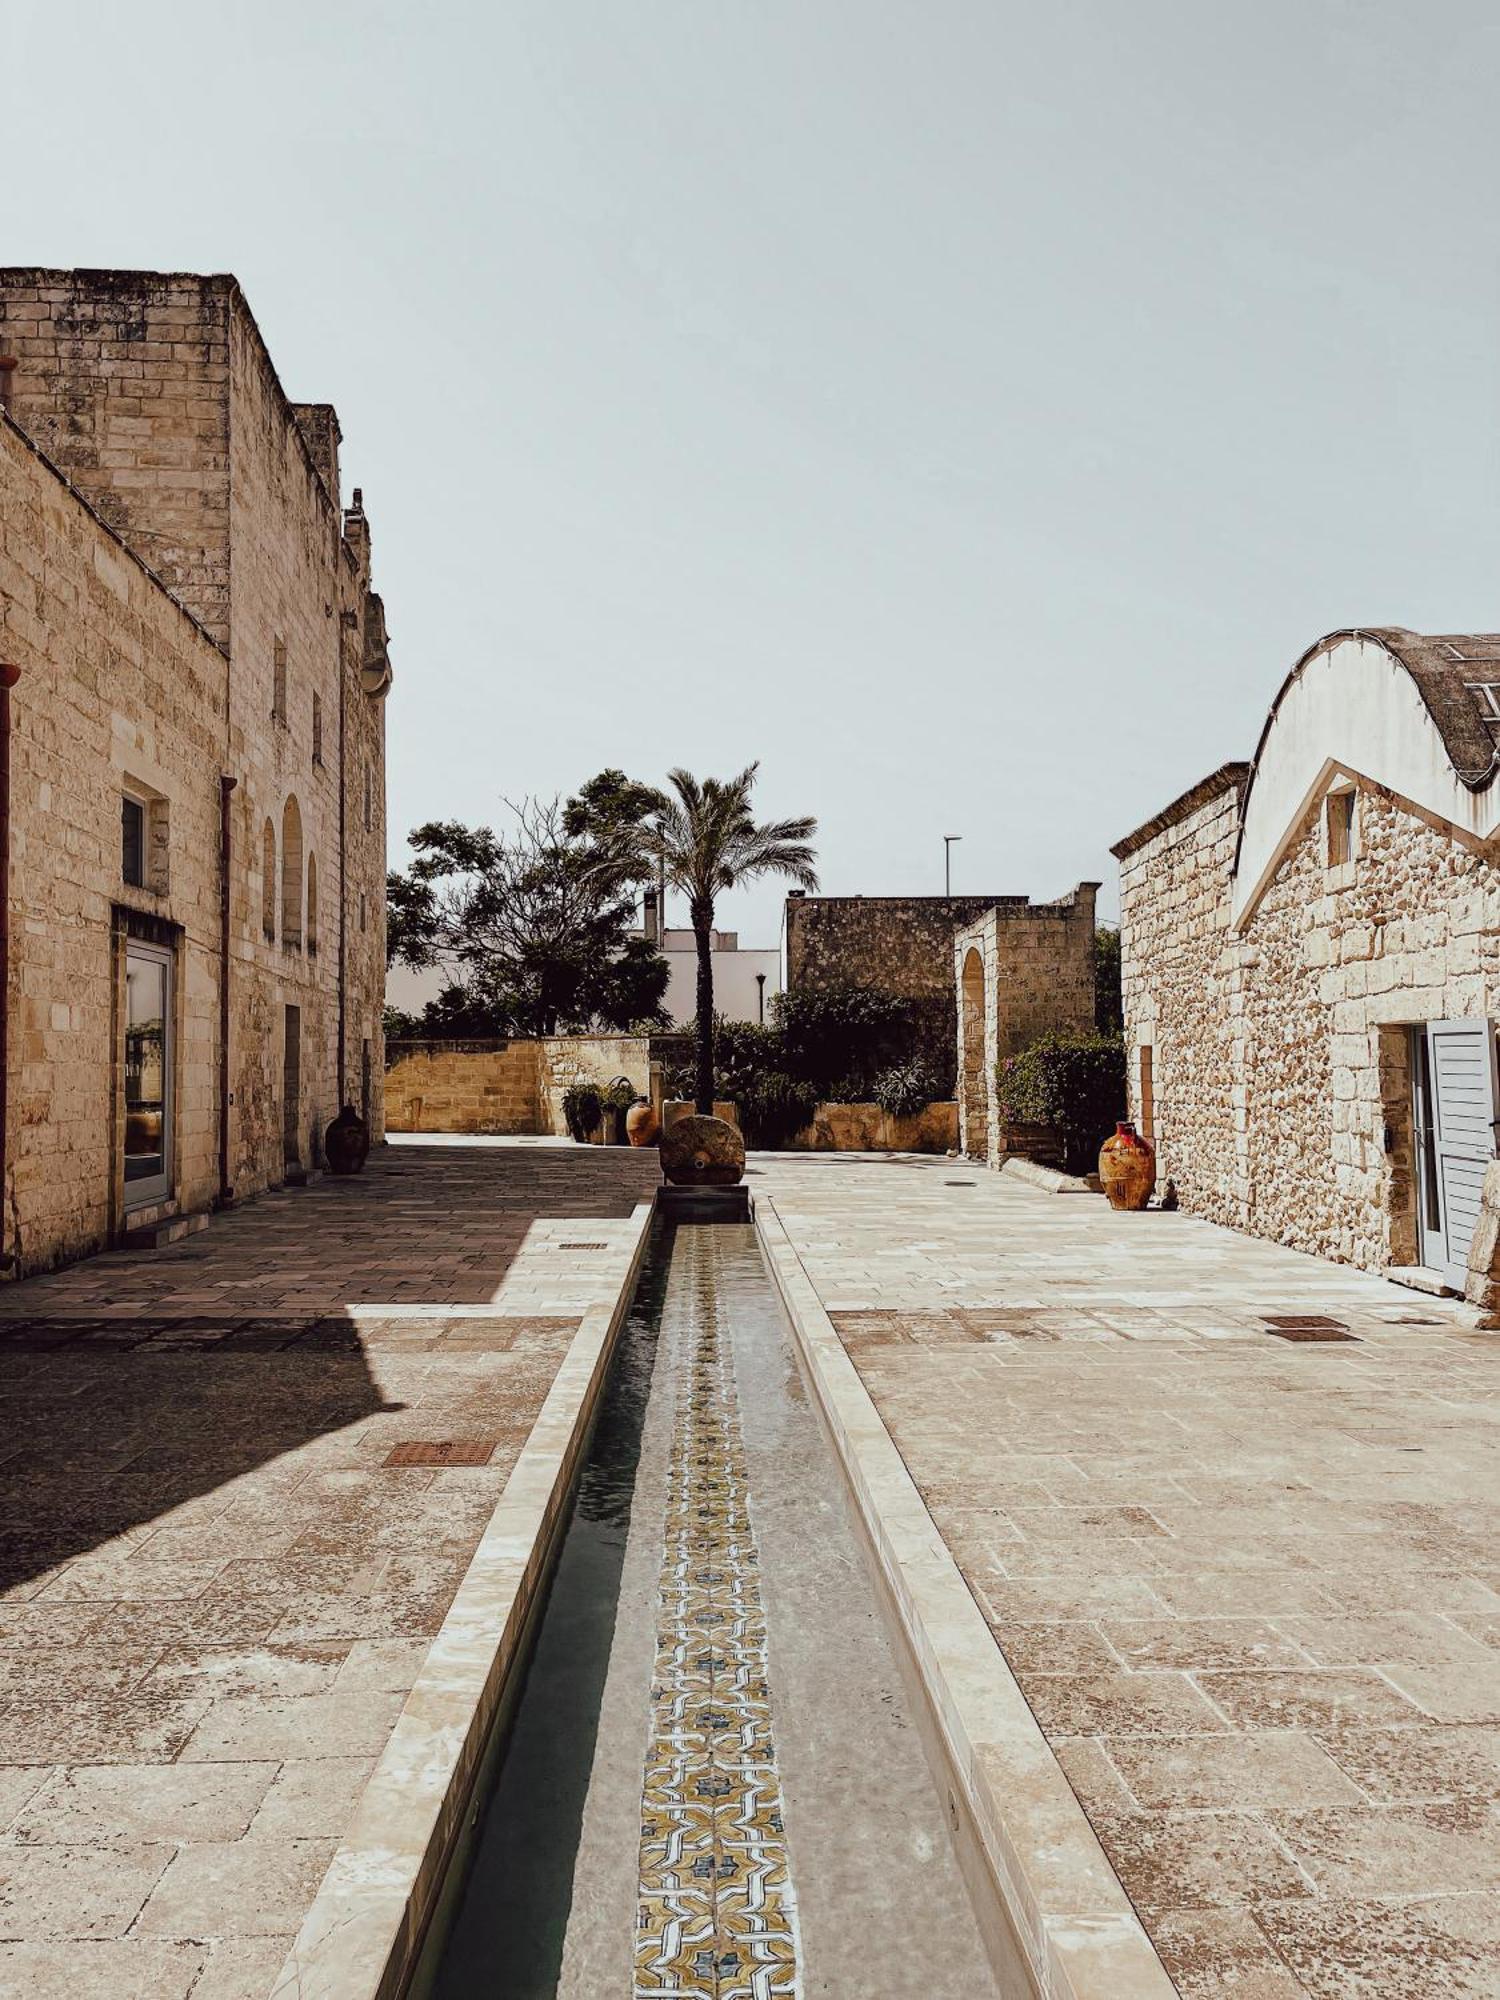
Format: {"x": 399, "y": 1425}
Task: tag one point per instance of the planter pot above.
{"x": 346, "y": 1143}
{"x": 1127, "y": 1167}
{"x": 642, "y": 1126}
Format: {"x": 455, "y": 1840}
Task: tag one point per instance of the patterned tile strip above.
{"x": 717, "y": 1916}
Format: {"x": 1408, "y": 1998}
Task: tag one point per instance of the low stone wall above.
{"x": 865, "y": 1128}
{"x": 502, "y": 1087}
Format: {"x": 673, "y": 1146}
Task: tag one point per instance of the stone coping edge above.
{"x": 1079, "y": 1934}
{"x": 361, "y": 1937}
{"x": 1051, "y": 1180}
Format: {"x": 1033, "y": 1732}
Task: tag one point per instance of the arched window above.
{"x": 312, "y": 905}
{"x": 268, "y": 882}
{"x": 291, "y": 875}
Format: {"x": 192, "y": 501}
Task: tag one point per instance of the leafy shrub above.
{"x": 774, "y": 1107}
{"x": 1074, "y": 1083}
{"x": 619, "y": 1095}
{"x": 905, "y": 1089}
{"x": 839, "y": 1039}
{"x": 583, "y": 1107}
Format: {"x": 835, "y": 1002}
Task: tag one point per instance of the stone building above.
{"x": 1019, "y": 970}
{"x": 195, "y": 820}
{"x": 1311, "y": 960}
{"x": 901, "y": 945}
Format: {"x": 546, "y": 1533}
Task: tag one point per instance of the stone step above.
{"x": 157, "y": 1235}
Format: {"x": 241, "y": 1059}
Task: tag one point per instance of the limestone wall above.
{"x": 1020, "y": 970}
{"x": 465, "y": 1087}
{"x": 122, "y": 379}
{"x": 569, "y": 1059}
{"x": 1280, "y": 1095}
{"x": 156, "y": 398}
{"x": 1182, "y": 1001}
{"x": 117, "y": 683}
{"x": 865, "y": 1128}
{"x": 510, "y": 1087}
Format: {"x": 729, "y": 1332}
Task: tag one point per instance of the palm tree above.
{"x": 707, "y": 840}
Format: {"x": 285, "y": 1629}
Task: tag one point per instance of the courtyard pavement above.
{"x": 240, "y": 1482}
{"x": 1249, "y": 1586}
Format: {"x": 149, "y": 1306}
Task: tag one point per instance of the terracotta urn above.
{"x": 642, "y": 1126}
{"x": 346, "y": 1143}
{"x": 1127, "y": 1167}
{"x": 702, "y": 1152}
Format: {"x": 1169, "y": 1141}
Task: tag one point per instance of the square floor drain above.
{"x": 1306, "y": 1326}
{"x": 443, "y": 1451}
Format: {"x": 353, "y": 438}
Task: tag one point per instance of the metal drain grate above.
{"x": 960, "y": 1183}
{"x": 583, "y": 1246}
{"x": 443, "y": 1451}
{"x": 1306, "y": 1326}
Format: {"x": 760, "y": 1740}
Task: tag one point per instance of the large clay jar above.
{"x": 641, "y": 1123}
{"x": 702, "y": 1152}
{"x": 346, "y": 1143}
{"x": 1127, "y": 1167}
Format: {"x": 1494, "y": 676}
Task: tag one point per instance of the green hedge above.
{"x": 1075, "y": 1084}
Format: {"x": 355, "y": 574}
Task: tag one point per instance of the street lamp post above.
{"x": 948, "y": 840}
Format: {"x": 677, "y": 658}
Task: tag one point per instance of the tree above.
{"x": 706, "y": 839}
{"x": 1109, "y": 1007}
{"x": 535, "y": 923}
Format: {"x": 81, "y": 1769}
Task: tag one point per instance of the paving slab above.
{"x": 241, "y": 1481}
{"x": 1241, "y": 1580}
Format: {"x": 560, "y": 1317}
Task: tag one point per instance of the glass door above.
{"x": 148, "y": 1074}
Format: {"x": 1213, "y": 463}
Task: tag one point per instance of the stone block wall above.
{"x": 1276, "y": 1085}
{"x": 117, "y": 683}
{"x": 122, "y": 379}
{"x": 465, "y": 1087}
{"x": 154, "y": 396}
{"x": 1020, "y": 970}
{"x": 901, "y": 945}
{"x": 865, "y": 1128}
{"x": 1181, "y": 996}
{"x": 513, "y": 1087}
{"x": 569, "y": 1059}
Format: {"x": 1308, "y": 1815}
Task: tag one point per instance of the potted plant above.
{"x": 583, "y": 1108}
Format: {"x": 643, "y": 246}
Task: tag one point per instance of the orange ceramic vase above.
{"x": 642, "y": 1126}
{"x": 1127, "y": 1167}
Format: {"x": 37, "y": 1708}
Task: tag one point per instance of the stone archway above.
{"x": 973, "y": 1080}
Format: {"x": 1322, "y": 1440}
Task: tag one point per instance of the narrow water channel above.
{"x": 712, "y": 1784}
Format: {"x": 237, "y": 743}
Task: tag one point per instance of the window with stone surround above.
{"x": 317, "y": 702}
{"x": 144, "y": 843}
{"x": 268, "y": 881}
{"x": 278, "y": 682}
{"x": 312, "y": 906}
{"x": 369, "y": 803}
{"x": 133, "y": 842}
{"x": 1339, "y": 820}
{"x": 291, "y": 876}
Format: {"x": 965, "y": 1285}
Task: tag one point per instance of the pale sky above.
{"x": 971, "y": 411}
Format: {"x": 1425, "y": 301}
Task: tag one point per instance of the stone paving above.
{"x": 240, "y": 1482}
{"x": 1249, "y": 1585}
